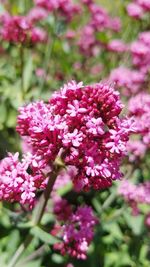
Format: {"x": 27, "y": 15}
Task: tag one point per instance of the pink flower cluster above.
{"x": 61, "y": 208}
{"x": 140, "y": 52}
{"x": 135, "y": 194}
{"x": 21, "y": 29}
{"x": 36, "y": 14}
{"x": 16, "y": 184}
{"x": 136, "y": 149}
{"x": 117, "y": 45}
{"x": 138, "y": 8}
{"x": 81, "y": 124}
{"x": 76, "y": 231}
{"x": 139, "y": 107}
{"x": 99, "y": 21}
{"x": 138, "y": 193}
{"x": 130, "y": 81}
{"x": 67, "y": 8}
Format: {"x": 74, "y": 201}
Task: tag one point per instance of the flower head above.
{"x": 82, "y": 125}
{"x": 77, "y": 232}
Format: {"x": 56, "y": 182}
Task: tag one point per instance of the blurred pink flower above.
{"x": 117, "y": 45}
{"x": 40, "y": 73}
{"x": 129, "y": 80}
{"x": 135, "y": 11}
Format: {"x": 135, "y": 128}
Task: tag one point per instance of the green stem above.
{"x": 39, "y": 211}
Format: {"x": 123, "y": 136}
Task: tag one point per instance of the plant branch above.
{"x": 40, "y": 208}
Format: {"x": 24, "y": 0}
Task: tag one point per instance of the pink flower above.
{"x": 140, "y": 52}
{"x": 38, "y": 35}
{"x": 50, "y": 5}
{"x": 66, "y": 7}
{"x": 99, "y": 21}
{"x": 87, "y": 40}
{"x": 62, "y": 209}
{"x": 70, "y": 34}
{"x": 115, "y": 24}
{"x": 139, "y": 107}
{"x": 96, "y": 69}
{"x": 135, "y": 194}
{"x": 20, "y": 29}
{"x": 15, "y": 182}
{"x": 135, "y": 11}
{"x": 138, "y": 193}
{"x": 117, "y": 46}
{"x": 40, "y": 73}
{"x": 93, "y": 143}
{"x": 37, "y": 14}
{"x": 130, "y": 81}
{"x": 136, "y": 149}
{"x": 74, "y": 138}
{"x": 69, "y": 265}
{"x": 145, "y": 4}
{"x": 77, "y": 233}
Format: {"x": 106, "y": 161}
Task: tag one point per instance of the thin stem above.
{"x": 44, "y": 199}
{"x": 37, "y": 216}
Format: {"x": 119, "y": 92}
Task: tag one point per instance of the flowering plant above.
{"x": 74, "y": 114}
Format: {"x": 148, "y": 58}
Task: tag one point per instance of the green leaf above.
{"x": 97, "y": 205}
{"x": 36, "y": 263}
{"x": 25, "y": 225}
{"x": 3, "y": 112}
{"x": 47, "y": 218}
{"x": 43, "y": 236}
{"x": 144, "y": 207}
{"x": 135, "y": 223}
{"x": 114, "y": 229}
{"x": 11, "y": 119}
{"x": 143, "y": 252}
{"x": 57, "y": 258}
{"x": 103, "y": 37}
{"x": 13, "y": 242}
